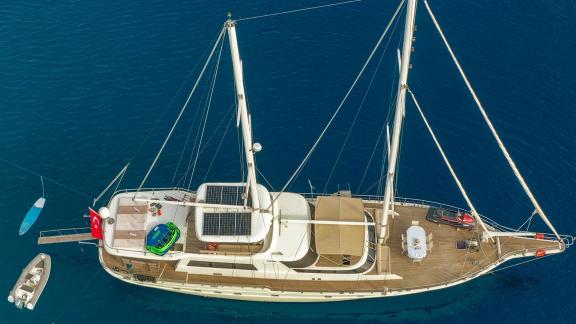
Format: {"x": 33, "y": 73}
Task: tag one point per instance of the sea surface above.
{"x": 87, "y": 86}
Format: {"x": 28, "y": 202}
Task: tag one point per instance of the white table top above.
{"x": 416, "y": 242}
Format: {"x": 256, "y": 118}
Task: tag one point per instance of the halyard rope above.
{"x": 492, "y": 129}
{"x": 315, "y": 145}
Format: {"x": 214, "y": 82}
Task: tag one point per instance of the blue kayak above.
{"x": 32, "y": 215}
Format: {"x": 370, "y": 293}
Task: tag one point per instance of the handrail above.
{"x": 60, "y": 231}
{"x": 151, "y": 189}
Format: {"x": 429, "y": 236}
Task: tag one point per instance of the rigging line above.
{"x": 268, "y": 182}
{"x": 117, "y": 185}
{"x": 46, "y": 178}
{"x": 449, "y": 165}
{"x": 382, "y": 177}
{"x": 208, "y": 105}
{"x": 200, "y": 111}
{"x": 385, "y": 158}
{"x": 371, "y": 157}
{"x": 185, "y": 175}
{"x": 520, "y": 263}
{"x": 391, "y": 107}
{"x": 219, "y": 144}
{"x": 149, "y": 134}
{"x": 184, "y": 148}
{"x": 181, "y": 112}
{"x": 216, "y": 129}
{"x": 119, "y": 175}
{"x": 468, "y": 252}
{"x": 315, "y": 145}
{"x": 528, "y": 220}
{"x": 359, "y": 109}
{"x": 42, "y": 181}
{"x": 202, "y": 108}
{"x": 390, "y": 104}
{"x": 492, "y": 129}
{"x": 205, "y": 109}
{"x": 298, "y": 10}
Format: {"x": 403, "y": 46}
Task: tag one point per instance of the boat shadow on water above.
{"x": 426, "y": 306}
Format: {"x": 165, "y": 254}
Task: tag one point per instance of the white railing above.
{"x": 65, "y": 231}
{"x": 151, "y": 189}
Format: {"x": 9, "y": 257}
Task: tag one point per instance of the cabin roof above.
{"x": 339, "y": 239}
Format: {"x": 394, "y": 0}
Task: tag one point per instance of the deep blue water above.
{"x": 82, "y": 83}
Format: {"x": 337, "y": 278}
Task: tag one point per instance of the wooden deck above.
{"x": 444, "y": 264}
{"x": 65, "y": 238}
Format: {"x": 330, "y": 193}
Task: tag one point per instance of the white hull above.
{"x": 268, "y": 295}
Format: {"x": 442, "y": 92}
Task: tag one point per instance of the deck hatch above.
{"x": 226, "y": 195}
{"x": 227, "y": 224}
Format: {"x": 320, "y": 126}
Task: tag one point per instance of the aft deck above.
{"x": 443, "y": 265}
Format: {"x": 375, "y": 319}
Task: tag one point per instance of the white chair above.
{"x": 429, "y": 246}
{"x": 404, "y": 245}
{"x": 429, "y": 243}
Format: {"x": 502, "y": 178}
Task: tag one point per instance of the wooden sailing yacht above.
{"x": 242, "y": 241}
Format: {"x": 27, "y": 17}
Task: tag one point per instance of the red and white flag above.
{"x": 95, "y": 224}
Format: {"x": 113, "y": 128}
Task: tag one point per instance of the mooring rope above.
{"x": 46, "y": 178}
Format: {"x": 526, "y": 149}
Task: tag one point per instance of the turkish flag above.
{"x": 95, "y": 224}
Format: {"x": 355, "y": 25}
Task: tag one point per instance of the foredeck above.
{"x": 444, "y": 264}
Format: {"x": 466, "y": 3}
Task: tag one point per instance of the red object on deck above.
{"x": 95, "y": 224}
{"x": 539, "y": 236}
{"x": 467, "y": 218}
{"x": 540, "y": 253}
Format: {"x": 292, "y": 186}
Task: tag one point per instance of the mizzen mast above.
{"x": 243, "y": 116}
{"x": 398, "y": 117}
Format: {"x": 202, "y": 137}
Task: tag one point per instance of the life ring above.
{"x": 540, "y": 253}
{"x": 212, "y": 247}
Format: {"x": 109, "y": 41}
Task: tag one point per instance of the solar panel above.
{"x": 226, "y": 195}
{"x": 227, "y": 224}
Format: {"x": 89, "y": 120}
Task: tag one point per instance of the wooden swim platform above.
{"x": 65, "y": 235}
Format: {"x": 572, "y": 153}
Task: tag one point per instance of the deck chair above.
{"x": 429, "y": 243}
{"x": 404, "y": 244}
{"x": 429, "y": 246}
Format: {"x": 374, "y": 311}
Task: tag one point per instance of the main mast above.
{"x": 243, "y": 116}
{"x": 389, "y": 191}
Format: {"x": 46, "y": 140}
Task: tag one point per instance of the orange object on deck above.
{"x": 539, "y": 236}
{"x": 212, "y": 247}
{"x": 540, "y": 253}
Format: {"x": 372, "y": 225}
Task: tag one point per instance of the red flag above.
{"x": 95, "y": 224}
